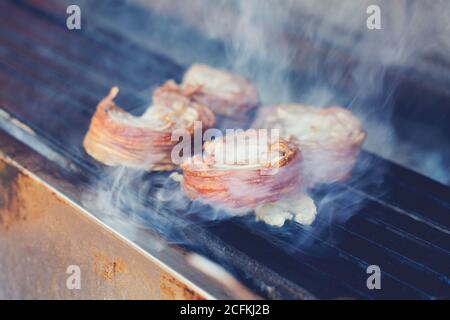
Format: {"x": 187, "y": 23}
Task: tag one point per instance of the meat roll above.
{"x": 261, "y": 171}
{"x": 226, "y": 94}
{"x": 330, "y": 138}
{"x": 232, "y": 98}
{"x": 117, "y": 138}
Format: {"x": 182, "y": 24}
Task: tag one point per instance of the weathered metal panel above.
{"x": 42, "y": 234}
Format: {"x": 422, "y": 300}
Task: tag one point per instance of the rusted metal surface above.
{"x": 173, "y": 289}
{"x": 41, "y": 235}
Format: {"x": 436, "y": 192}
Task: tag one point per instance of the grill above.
{"x": 51, "y": 80}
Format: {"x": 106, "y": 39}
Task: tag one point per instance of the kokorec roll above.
{"x": 231, "y": 97}
{"x": 330, "y": 138}
{"x": 117, "y": 138}
{"x": 242, "y": 172}
{"x": 224, "y": 93}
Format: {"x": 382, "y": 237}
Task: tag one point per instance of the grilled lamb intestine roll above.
{"x": 117, "y": 138}
{"x": 224, "y": 93}
{"x": 250, "y": 180}
{"x": 330, "y": 138}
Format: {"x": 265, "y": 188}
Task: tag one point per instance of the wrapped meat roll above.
{"x": 224, "y": 93}
{"x": 232, "y": 98}
{"x": 330, "y": 138}
{"x": 117, "y": 138}
{"x": 260, "y": 171}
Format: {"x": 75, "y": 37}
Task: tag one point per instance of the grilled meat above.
{"x": 258, "y": 173}
{"x": 232, "y": 98}
{"x": 224, "y": 93}
{"x": 330, "y": 138}
{"x": 117, "y": 138}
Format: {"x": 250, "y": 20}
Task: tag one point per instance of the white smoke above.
{"x": 265, "y": 40}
